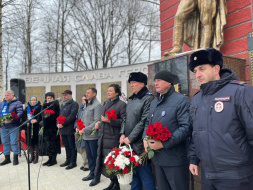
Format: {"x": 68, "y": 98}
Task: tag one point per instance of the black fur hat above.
{"x": 207, "y": 56}
{"x": 49, "y": 94}
{"x": 139, "y": 77}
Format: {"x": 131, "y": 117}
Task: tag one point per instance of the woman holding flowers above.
{"x": 32, "y": 109}
{"x": 109, "y": 131}
{"x": 49, "y": 141}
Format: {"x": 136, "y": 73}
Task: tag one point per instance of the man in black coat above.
{"x": 171, "y": 109}
{"x": 133, "y": 125}
{"x": 222, "y": 117}
{"x": 69, "y": 109}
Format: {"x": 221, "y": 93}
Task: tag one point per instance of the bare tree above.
{"x": 82, "y": 35}
{"x": 9, "y": 51}
{"x": 2, "y": 5}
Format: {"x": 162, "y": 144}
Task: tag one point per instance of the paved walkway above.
{"x": 50, "y": 178}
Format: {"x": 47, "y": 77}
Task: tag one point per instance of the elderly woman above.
{"x": 50, "y": 142}
{"x": 32, "y": 109}
{"x": 109, "y": 132}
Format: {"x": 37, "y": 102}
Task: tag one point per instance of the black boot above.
{"x": 53, "y": 161}
{"x": 7, "y": 160}
{"x": 110, "y": 186}
{"x": 116, "y": 185}
{"x": 31, "y": 154}
{"x": 47, "y": 162}
{"x": 36, "y": 154}
{"x": 15, "y": 160}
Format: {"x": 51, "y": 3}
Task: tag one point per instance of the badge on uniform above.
{"x": 163, "y": 113}
{"x": 218, "y": 106}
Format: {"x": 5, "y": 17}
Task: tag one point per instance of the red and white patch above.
{"x": 218, "y": 106}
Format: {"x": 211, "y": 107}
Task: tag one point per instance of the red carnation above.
{"x": 48, "y": 113}
{"x": 113, "y": 161}
{"x": 110, "y": 166}
{"x": 14, "y": 115}
{"x": 107, "y": 162}
{"x": 158, "y": 125}
{"x": 109, "y": 116}
{"x": 33, "y": 110}
{"x": 132, "y": 159}
{"x": 149, "y": 132}
{"x": 109, "y": 158}
{"x": 125, "y": 170}
{"x": 126, "y": 153}
{"x": 136, "y": 163}
{"x": 156, "y": 136}
{"x": 117, "y": 168}
{"x": 117, "y": 153}
{"x": 61, "y": 119}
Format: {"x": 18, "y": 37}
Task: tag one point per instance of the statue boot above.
{"x": 178, "y": 37}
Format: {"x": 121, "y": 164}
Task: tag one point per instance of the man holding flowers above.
{"x": 69, "y": 109}
{"x": 8, "y": 105}
{"x": 170, "y": 109}
{"x": 90, "y": 116}
{"x": 133, "y": 126}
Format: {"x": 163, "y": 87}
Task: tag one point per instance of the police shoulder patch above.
{"x": 238, "y": 82}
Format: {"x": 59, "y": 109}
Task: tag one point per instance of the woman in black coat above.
{"x": 32, "y": 109}
{"x": 109, "y": 132}
{"x": 50, "y": 142}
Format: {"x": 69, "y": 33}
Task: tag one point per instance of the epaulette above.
{"x": 149, "y": 93}
{"x": 238, "y": 82}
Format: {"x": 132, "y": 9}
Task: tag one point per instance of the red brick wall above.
{"x": 239, "y": 24}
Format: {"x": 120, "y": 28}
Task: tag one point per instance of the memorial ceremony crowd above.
{"x": 213, "y": 130}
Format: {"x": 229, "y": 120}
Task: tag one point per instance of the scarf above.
{"x": 64, "y": 102}
{"x": 29, "y": 115}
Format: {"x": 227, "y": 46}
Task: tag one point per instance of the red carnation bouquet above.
{"x": 48, "y": 113}
{"x": 157, "y": 132}
{"x": 81, "y": 126}
{"x": 61, "y": 120}
{"x": 121, "y": 161}
{"x": 109, "y": 115}
{"x": 9, "y": 116}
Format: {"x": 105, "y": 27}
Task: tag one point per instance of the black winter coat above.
{"x": 222, "y": 138}
{"x": 36, "y": 126}
{"x": 109, "y": 133}
{"x": 70, "y": 111}
{"x": 172, "y": 110}
{"x": 50, "y": 142}
{"x": 136, "y": 114}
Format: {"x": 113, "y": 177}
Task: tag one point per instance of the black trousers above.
{"x": 172, "y": 178}
{"x": 70, "y": 148}
{"x": 227, "y": 184}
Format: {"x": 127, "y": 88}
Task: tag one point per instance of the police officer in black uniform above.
{"x": 222, "y": 120}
